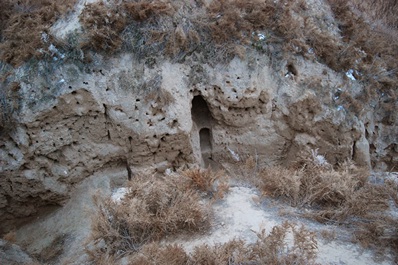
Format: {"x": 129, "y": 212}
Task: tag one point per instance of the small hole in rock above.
{"x": 291, "y": 69}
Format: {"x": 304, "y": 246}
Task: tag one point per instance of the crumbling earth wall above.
{"x": 120, "y": 112}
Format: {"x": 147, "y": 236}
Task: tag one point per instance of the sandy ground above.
{"x": 241, "y": 215}
{"x": 59, "y": 237}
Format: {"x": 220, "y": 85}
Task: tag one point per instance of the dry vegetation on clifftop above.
{"x": 360, "y": 38}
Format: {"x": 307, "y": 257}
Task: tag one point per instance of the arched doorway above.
{"x": 200, "y": 112}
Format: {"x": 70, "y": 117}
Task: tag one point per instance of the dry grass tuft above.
{"x": 203, "y": 179}
{"x": 104, "y": 24}
{"x": 346, "y": 195}
{"x": 23, "y": 24}
{"x": 154, "y": 253}
{"x": 142, "y": 10}
{"x": 370, "y": 37}
{"x": 272, "y": 248}
{"x": 337, "y": 194}
{"x": 156, "y": 208}
{"x": 152, "y": 209}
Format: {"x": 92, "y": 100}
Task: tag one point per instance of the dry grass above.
{"x": 142, "y": 10}
{"x": 270, "y": 248}
{"x": 345, "y": 196}
{"x": 222, "y": 29}
{"x": 155, "y": 253}
{"x": 151, "y": 210}
{"x": 212, "y": 183}
{"x": 336, "y": 194}
{"x": 22, "y": 25}
{"x": 156, "y": 208}
{"x": 104, "y": 24}
{"x": 370, "y": 45}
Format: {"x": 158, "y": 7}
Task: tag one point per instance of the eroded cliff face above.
{"x": 120, "y": 112}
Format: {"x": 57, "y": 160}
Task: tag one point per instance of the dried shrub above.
{"x": 205, "y": 180}
{"x": 346, "y": 195}
{"x": 232, "y": 252}
{"x": 152, "y": 209}
{"x": 272, "y": 248}
{"x": 371, "y": 47}
{"x": 154, "y": 253}
{"x": 103, "y": 25}
{"x": 23, "y": 25}
{"x": 281, "y": 182}
{"x": 380, "y": 234}
{"x": 336, "y": 194}
{"x": 142, "y": 10}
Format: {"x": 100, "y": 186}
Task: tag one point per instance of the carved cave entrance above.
{"x": 201, "y": 116}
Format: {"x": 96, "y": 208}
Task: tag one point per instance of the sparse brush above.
{"x": 338, "y": 194}
{"x": 232, "y": 252}
{"x": 205, "y": 180}
{"x": 152, "y": 209}
{"x": 23, "y": 25}
{"x": 275, "y": 247}
{"x": 381, "y": 234}
{"x": 142, "y": 10}
{"x": 282, "y": 183}
{"x": 373, "y": 47}
{"x": 154, "y": 253}
{"x": 345, "y": 195}
{"x": 103, "y": 24}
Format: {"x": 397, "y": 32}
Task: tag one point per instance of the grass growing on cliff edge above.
{"x": 24, "y": 25}
{"x": 353, "y": 37}
{"x": 360, "y": 36}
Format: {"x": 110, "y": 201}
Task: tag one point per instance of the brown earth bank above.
{"x": 89, "y": 87}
